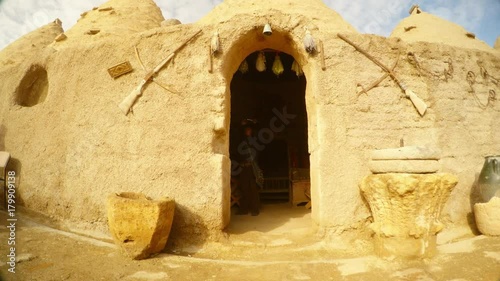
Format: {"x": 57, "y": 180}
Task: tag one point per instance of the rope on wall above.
{"x": 471, "y": 79}
{"x": 445, "y": 75}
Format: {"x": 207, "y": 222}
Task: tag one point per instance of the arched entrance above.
{"x": 274, "y": 97}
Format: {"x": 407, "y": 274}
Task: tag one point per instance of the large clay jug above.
{"x": 489, "y": 179}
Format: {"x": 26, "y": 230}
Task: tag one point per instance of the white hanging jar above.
{"x": 309, "y": 43}
{"x": 215, "y": 43}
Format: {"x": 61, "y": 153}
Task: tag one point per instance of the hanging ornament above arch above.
{"x": 309, "y": 43}
{"x": 297, "y": 68}
{"x": 260, "y": 64}
{"x": 243, "y": 67}
{"x": 278, "y": 65}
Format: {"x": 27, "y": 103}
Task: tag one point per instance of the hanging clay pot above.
{"x": 243, "y": 67}
{"x": 297, "y": 69}
{"x": 215, "y": 43}
{"x": 260, "y": 64}
{"x": 489, "y": 179}
{"x": 309, "y": 43}
{"x": 277, "y": 65}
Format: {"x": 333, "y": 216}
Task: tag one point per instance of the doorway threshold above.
{"x": 276, "y": 225}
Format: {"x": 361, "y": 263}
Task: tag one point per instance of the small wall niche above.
{"x": 33, "y": 88}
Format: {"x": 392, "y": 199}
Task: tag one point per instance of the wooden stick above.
{"x": 417, "y": 102}
{"x": 323, "y": 65}
{"x": 374, "y": 84}
{"x": 139, "y": 58}
{"x": 165, "y": 87}
{"x": 127, "y": 103}
{"x": 154, "y": 79}
{"x": 210, "y": 62}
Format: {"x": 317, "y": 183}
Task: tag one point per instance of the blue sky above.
{"x": 481, "y": 17}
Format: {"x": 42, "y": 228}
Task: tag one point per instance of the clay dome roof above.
{"x": 426, "y": 27}
{"x": 30, "y": 43}
{"x": 116, "y": 18}
{"x": 315, "y": 10}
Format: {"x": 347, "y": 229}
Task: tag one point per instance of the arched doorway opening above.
{"x": 276, "y": 102}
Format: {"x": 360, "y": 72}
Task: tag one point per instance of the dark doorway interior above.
{"x": 278, "y": 105}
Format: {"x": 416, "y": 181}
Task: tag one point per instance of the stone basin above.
{"x": 406, "y": 209}
{"x": 487, "y": 217}
{"x": 138, "y": 224}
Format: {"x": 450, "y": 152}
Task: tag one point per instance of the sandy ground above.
{"x": 277, "y": 245}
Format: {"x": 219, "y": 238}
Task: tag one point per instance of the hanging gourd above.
{"x": 297, "y": 69}
{"x": 277, "y": 65}
{"x": 244, "y": 67}
{"x": 309, "y": 43}
{"x": 260, "y": 64}
{"x": 215, "y": 43}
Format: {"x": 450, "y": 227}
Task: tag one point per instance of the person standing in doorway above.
{"x": 250, "y": 172}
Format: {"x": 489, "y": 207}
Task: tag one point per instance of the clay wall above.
{"x": 75, "y": 147}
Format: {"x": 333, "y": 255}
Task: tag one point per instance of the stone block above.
{"x": 170, "y": 22}
{"x": 488, "y": 217}
{"x": 139, "y": 225}
{"x": 406, "y": 153}
{"x": 92, "y": 31}
{"x": 406, "y": 210}
{"x": 404, "y": 166}
{"x": 60, "y": 37}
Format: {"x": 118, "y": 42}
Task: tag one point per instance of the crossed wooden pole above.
{"x": 129, "y": 101}
{"x": 417, "y": 102}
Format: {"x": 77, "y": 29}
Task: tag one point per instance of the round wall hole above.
{"x": 33, "y": 88}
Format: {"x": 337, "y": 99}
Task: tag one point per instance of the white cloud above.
{"x": 187, "y": 10}
{"x": 371, "y": 16}
{"x": 20, "y": 17}
{"x": 381, "y": 17}
{"x": 468, "y": 14}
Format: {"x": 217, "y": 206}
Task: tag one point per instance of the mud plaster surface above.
{"x": 48, "y": 254}
{"x": 74, "y": 148}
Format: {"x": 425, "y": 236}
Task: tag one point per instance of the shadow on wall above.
{"x": 369, "y": 219}
{"x": 3, "y": 132}
{"x": 188, "y": 229}
{"x": 16, "y": 166}
{"x": 474, "y": 197}
{"x": 3, "y": 189}
{"x": 13, "y": 165}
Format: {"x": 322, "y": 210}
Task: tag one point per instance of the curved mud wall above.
{"x": 76, "y": 147}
